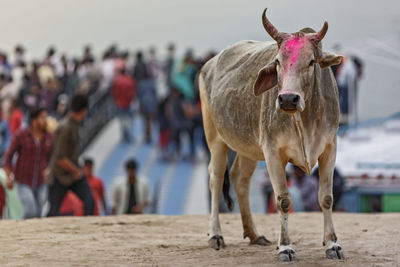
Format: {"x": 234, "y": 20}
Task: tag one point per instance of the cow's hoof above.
{"x": 335, "y": 253}
{"x": 262, "y": 241}
{"x": 287, "y": 255}
{"x": 216, "y": 242}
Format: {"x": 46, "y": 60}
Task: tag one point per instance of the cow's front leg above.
{"x": 326, "y": 164}
{"x": 276, "y": 168}
{"x": 241, "y": 173}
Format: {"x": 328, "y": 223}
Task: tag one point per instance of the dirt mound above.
{"x": 367, "y": 239}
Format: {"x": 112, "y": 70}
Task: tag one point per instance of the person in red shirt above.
{"x": 96, "y": 184}
{"x": 73, "y": 206}
{"x": 32, "y": 146}
{"x": 16, "y": 117}
{"x": 123, "y": 92}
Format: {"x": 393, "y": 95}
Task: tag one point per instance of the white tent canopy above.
{"x": 371, "y": 151}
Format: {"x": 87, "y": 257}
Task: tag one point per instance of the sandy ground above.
{"x": 152, "y": 240}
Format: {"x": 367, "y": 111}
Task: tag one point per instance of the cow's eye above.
{"x": 311, "y": 63}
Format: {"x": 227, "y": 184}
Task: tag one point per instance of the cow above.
{"x": 276, "y": 102}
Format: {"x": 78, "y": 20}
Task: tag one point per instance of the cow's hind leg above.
{"x": 241, "y": 173}
{"x": 216, "y": 168}
{"x": 326, "y": 164}
{"x": 276, "y": 168}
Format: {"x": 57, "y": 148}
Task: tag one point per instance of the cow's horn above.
{"x": 272, "y": 31}
{"x": 320, "y": 35}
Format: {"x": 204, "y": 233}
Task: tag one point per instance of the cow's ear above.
{"x": 266, "y": 79}
{"x": 329, "y": 59}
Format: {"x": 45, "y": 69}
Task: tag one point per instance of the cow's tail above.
{"x": 225, "y": 190}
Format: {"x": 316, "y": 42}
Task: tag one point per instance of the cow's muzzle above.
{"x": 290, "y": 103}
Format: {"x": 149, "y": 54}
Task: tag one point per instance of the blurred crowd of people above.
{"x": 36, "y": 113}
{"x": 166, "y": 92}
{"x": 49, "y": 83}
{"x": 34, "y": 98}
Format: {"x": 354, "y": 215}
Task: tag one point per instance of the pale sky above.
{"x": 200, "y": 24}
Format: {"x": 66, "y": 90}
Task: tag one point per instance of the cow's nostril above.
{"x": 296, "y": 100}
{"x": 280, "y": 99}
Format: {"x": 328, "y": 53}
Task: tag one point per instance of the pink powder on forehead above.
{"x": 292, "y": 47}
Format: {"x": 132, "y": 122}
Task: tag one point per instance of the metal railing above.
{"x": 101, "y": 111}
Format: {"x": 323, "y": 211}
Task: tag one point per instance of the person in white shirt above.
{"x": 130, "y": 195}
